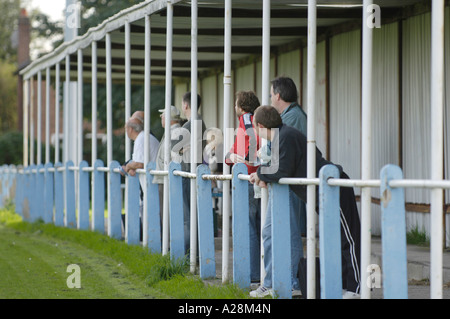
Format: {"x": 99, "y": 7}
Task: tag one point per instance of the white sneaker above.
{"x": 261, "y": 292}
{"x": 351, "y": 295}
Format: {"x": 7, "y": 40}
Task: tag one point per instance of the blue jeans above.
{"x": 296, "y": 241}
{"x": 255, "y": 234}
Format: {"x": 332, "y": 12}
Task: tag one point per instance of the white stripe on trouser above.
{"x": 351, "y": 241}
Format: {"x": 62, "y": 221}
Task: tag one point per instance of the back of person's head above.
{"x": 187, "y": 99}
{"x": 267, "y": 116}
{"x": 135, "y": 124}
{"x": 247, "y": 101}
{"x": 286, "y": 88}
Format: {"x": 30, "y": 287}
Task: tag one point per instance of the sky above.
{"x": 53, "y": 8}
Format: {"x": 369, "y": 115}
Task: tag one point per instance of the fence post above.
{"x": 70, "y": 196}
{"x": 281, "y": 240}
{"x": 176, "y": 223}
{"x": 241, "y": 228}
{"x": 393, "y": 235}
{"x": 132, "y": 225}
{"x": 152, "y": 225}
{"x": 2, "y": 185}
{"x": 59, "y": 196}
{"x": 48, "y": 194}
{"x": 115, "y": 203}
{"x": 330, "y": 235}
{"x": 98, "y": 198}
{"x": 83, "y": 197}
{"x": 19, "y": 193}
{"x": 28, "y": 194}
{"x": 205, "y": 224}
{"x": 39, "y": 192}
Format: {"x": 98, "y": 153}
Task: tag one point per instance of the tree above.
{"x": 95, "y": 12}
{"x": 10, "y": 10}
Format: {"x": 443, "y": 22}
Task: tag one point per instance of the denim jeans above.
{"x": 255, "y": 234}
{"x": 296, "y": 241}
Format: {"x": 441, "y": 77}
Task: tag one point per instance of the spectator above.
{"x": 185, "y": 153}
{"x": 244, "y": 150}
{"x": 284, "y": 99}
{"x": 291, "y": 162}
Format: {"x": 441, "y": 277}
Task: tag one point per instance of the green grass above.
{"x": 35, "y": 256}
{"x": 417, "y": 237}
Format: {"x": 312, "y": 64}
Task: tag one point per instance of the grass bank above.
{"x": 35, "y": 257}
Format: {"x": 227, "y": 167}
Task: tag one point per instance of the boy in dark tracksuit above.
{"x": 292, "y": 162}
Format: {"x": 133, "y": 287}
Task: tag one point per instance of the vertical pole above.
{"x": 109, "y": 119}
{"x": 57, "y": 112}
{"x": 393, "y": 235}
{"x": 205, "y": 225}
{"x": 281, "y": 241}
{"x": 330, "y": 235}
{"x": 169, "y": 31}
{"x": 366, "y": 152}
{"x": 147, "y": 112}
{"x": 194, "y": 132}
{"x": 98, "y": 198}
{"x": 32, "y": 111}
{"x": 26, "y": 112}
{"x": 94, "y": 103}
{"x": 66, "y": 110}
{"x": 80, "y": 107}
{"x": 47, "y": 116}
{"x": 176, "y": 213}
{"x": 437, "y": 145}
{"x": 265, "y": 101}
{"x": 39, "y": 120}
{"x": 127, "y": 86}
{"x": 226, "y": 143}
{"x": 241, "y": 228}
{"x": 311, "y": 152}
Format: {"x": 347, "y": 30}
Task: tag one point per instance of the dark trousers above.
{"x": 350, "y": 239}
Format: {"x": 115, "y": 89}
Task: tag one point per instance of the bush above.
{"x": 11, "y": 148}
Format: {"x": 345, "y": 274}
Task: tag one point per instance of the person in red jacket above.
{"x": 244, "y": 150}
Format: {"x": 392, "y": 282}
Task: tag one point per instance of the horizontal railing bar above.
{"x": 103, "y": 169}
{"x": 411, "y": 183}
{"x": 244, "y": 177}
{"x": 217, "y": 177}
{"x": 299, "y": 181}
{"x": 353, "y": 183}
{"x": 159, "y": 173}
{"x": 88, "y": 169}
{"x": 185, "y": 174}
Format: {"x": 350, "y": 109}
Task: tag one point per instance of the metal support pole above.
{"x": 109, "y": 126}
{"x": 226, "y": 143}
{"x": 311, "y": 152}
{"x": 265, "y": 101}
{"x": 39, "y": 120}
{"x": 80, "y": 106}
{"x": 66, "y": 110}
{"x": 26, "y": 112}
{"x": 194, "y": 132}
{"x": 57, "y": 112}
{"x": 366, "y": 145}
{"x": 437, "y": 145}
{"x": 47, "y": 115}
{"x": 94, "y": 103}
{"x": 169, "y": 39}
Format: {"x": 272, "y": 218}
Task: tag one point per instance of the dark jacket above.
{"x": 292, "y": 159}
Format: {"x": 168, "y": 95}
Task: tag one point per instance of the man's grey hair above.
{"x": 135, "y": 126}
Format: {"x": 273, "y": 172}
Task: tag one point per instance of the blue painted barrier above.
{"x": 205, "y": 224}
{"x": 241, "y": 228}
{"x": 48, "y": 194}
{"x": 83, "y": 197}
{"x": 98, "y": 198}
{"x": 152, "y": 221}
{"x": 114, "y": 203}
{"x": 281, "y": 241}
{"x": 393, "y": 235}
{"x": 20, "y": 189}
{"x": 71, "y": 220}
{"x": 330, "y": 235}
{"x": 176, "y": 220}
{"x": 59, "y": 196}
{"x": 39, "y": 192}
{"x": 132, "y": 223}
